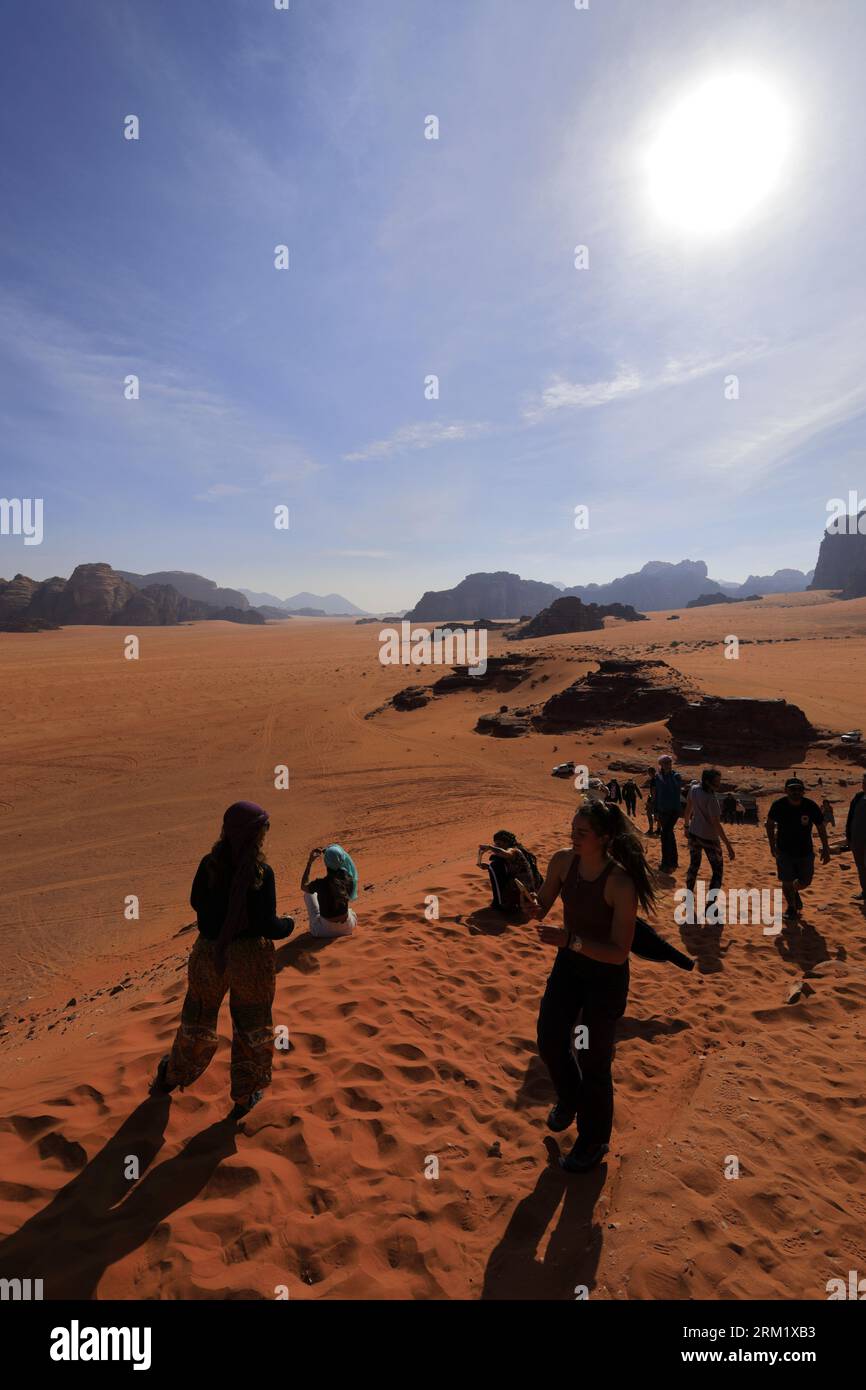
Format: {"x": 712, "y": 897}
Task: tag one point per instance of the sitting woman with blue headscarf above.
{"x": 328, "y": 898}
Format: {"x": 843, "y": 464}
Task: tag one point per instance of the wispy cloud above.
{"x": 576, "y": 395}
{"x": 409, "y": 438}
{"x": 364, "y": 554}
{"x": 219, "y": 490}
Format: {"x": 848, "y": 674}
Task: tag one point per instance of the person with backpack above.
{"x": 234, "y": 897}
{"x": 327, "y": 898}
{"x": 511, "y": 866}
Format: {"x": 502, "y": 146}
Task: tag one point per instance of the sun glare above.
{"x": 718, "y": 153}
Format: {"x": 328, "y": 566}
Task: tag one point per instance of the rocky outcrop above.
{"x": 97, "y": 594}
{"x": 192, "y": 586}
{"x": 503, "y": 724}
{"x": 760, "y": 733}
{"x": 498, "y": 595}
{"x": 856, "y": 586}
{"x": 785, "y": 581}
{"x": 707, "y": 600}
{"x": 619, "y": 692}
{"x": 657, "y": 585}
{"x": 502, "y": 673}
{"x": 15, "y": 595}
{"x": 571, "y": 614}
{"x": 842, "y": 557}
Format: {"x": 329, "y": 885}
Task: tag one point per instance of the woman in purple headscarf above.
{"x": 234, "y": 896}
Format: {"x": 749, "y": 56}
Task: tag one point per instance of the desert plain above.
{"x": 412, "y": 1042}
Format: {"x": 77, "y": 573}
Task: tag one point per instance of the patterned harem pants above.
{"x": 250, "y": 979}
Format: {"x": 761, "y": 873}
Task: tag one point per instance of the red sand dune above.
{"x": 414, "y": 1038}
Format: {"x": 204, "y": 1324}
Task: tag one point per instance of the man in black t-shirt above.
{"x": 789, "y": 831}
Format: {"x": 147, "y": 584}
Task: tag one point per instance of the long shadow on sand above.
{"x": 300, "y": 952}
{"x": 490, "y": 921}
{"x": 801, "y": 944}
{"x": 536, "y": 1088}
{"x": 514, "y": 1270}
{"x": 88, "y": 1225}
{"x": 704, "y": 943}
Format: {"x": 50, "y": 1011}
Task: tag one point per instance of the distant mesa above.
{"x": 620, "y": 692}
{"x": 193, "y": 586}
{"x": 273, "y": 614}
{"x": 761, "y": 733}
{"x": 497, "y": 595}
{"x": 308, "y": 605}
{"x": 842, "y": 559}
{"x": 573, "y": 615}
{"x": 784, "y": 581}
{"x": 707, "y": 600}
{"x": 658, "y": 585}
{"x": 97, "y": 594}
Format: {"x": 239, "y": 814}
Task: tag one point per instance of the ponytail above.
{"x": 624, "y": 847}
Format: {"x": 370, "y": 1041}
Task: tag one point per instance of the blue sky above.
{"x": 408, "y": 257}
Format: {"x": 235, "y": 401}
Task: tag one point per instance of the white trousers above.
{"x": 326, "y": 926}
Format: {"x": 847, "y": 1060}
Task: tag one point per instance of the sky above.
{"x": 605, "y": 386}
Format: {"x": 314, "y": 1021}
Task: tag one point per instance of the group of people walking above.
{"x": 234, "y": 897}
{"x": 603, "y": 879}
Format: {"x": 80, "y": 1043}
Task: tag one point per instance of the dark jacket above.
{"x": 210, "y": 898}
{"x": 668, "y": 792}
{"x": 857, "y": 798}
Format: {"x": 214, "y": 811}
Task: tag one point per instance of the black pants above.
{"x": 713, "y": 850}
{"x": 667, "y": 821}
{"x": 592, "y": 994}
{"x": 630, "y": 804}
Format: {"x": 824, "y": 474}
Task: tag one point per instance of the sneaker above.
{"x": 560, "y": 1118}
{"x": 243, "y": 1107}
{"x": 583, "y": 1157}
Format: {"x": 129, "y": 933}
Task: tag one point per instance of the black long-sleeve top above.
{"x": 852, "y": 811}
{"x": 210, "y": 899}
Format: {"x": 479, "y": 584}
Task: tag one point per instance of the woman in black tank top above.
{"x": 602, "y": 879}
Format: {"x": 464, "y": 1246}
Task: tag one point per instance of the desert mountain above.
{"x": 332, "y": 605}
{"x": 193, "y": 586}
{"x": 781, "y": 582}
{"x": 100, "y": 595}
{"x": 658, "y": 585}
{"x": 499, "y": 595}
{"x": 842, "y": 558}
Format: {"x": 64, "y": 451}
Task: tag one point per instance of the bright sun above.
{"x": 718, "y": 153}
